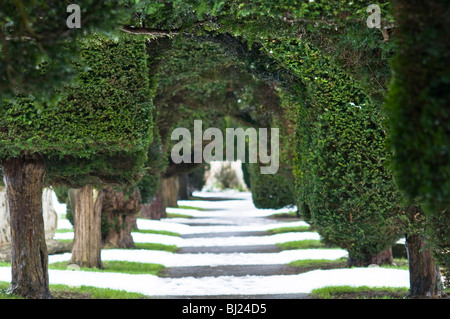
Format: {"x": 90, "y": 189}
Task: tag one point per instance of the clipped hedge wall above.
{"x": 343, "y": 186}
{"x": 100, "y": 130}
{"x": 272, "y": 191}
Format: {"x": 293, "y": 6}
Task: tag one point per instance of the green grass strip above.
{"x": 192, "y": 207}
{"x": 285, "y": 215}
{"x": 302, "y": 244}
{"x": 158, "y": 232}
{"x": 82, "y": 292}
{"x": 155, "y": 246}
{"x": 64, "y": 230}
{"x": 146, "y": 246}
{"x": 363, "y": 292}
{"x": 126, "y": 267}
{"x": 176, "y": 215}
{"x": 317, "y": 263}
{"x": 292, "y": 229}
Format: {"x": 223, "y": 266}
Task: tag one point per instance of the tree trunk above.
{"x": 424, "y": 274}
{"x": 119, "y": 217}
{"x": 24, "y": 180}
{"x": 183, "y": 186}
{"x": 153, "y": 210}
{"x": 168, "y": 190}
{"x": 87, "y": 205}
{"x": 383, "y": 257}
{"x": 166, "y": 196}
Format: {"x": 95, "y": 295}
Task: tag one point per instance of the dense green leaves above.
{"x": 419, "y": 117}
{"x": 272, "y": 190}
{"x": 419, "y": 114}
{"x": 102, "y": 124}
{"x": 344, "y": 188}
{"x": 34, "y": 36}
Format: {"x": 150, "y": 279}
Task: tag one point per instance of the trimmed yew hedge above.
{"x": 100, "y": 130}
{"x": 344, "y": 187}
{"x": 271, "y": 191}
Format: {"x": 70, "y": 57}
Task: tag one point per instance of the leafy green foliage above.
{"x": 196, "y": 178}
{"x": 156, "y": 164}
{"x": 344, "y": 187}
{"x": 34, "y": 37}
{"x": 272, "y": 190}
{"x": 100, "y": 130}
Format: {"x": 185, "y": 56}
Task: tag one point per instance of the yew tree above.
{"x": 419, "y": 124}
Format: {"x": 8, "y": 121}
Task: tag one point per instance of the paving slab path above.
{"x": 232, "y": 221}
{"x": 225, "y": 251}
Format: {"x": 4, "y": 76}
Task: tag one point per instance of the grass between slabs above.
{"x": 158, "y": 232}
{"x": 302, "y": 244}
{"x": 363, "y": 292}
{"x": 85, "y": 292}
{"x": 125, "y": 267}
{"x": 153, "y": 246}
{"x": 146, "y": 246}
{"x": 176, "y": 215}
{"x": 313, "y": 264}
{"x": 119, "y": 266}
{"x": 285, "y": 215}
{"x": 192, "y": 207}
{"x": 82, "y": 292}
{"x": 282, "y": 230}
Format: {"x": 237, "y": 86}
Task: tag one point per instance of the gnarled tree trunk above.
{"x": 86, "y": 203}
{"x": 383, "y": 257}
{"x": 24, "y": 180}
{"x": 424, "y": 275}
{"x": 119, "y": 216}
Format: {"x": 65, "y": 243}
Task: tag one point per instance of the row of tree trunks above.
{"x": 24, "y": 181}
